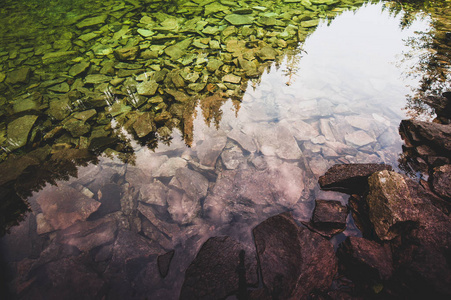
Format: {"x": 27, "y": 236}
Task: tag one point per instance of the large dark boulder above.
{"x": 364, "y": 260}
{"x": 294, "y": 261}
{"x": 421, "y": 256}
{"x": 222, "y": 267}
{"x": 441, "y": 181}
{"x": 436, "y": 136}
{"x": 350, "y": 178}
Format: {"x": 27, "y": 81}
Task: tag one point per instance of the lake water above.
{"x": 122, "y": 157}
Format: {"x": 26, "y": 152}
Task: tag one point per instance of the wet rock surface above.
{"x": 221, "y": 268}
{"x": 294, "y": 261}
{"x": 350, "y": 178}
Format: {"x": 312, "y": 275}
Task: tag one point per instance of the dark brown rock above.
{"x": 436, "y": 136}
{"x": 421, "y": 256}
{"x": 221, "y": 268}
{"x": 294, "y": 261}
{"x": 350, "y": 178}
{"x": 329, "y": 218}
{"x": 441, "y": 181}
{"x": 365, "y": 260}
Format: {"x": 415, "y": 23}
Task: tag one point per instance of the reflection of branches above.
{"x": 432, "y": 50}
{"x": 293, "y": 59}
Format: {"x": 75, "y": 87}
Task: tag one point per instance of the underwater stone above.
{"x": 128, "y": 53}
{"x": 144, "y": 125}
{"x": 76, "y": 127}
{"x": 96, "y": 78}
{"x": 267, "y": 53}
{"x": 92, "y": 21}
{"x": 359, "y": 138}
{"x": 231, "y": 78}
{"x": 54, "y": 57}
{"x": 236, "y": 19}
{"x": 18, "y": 131}
{"x": 60, "y": 88}
{"x": 85, "y": 115}
{"x": 63, "y": 206}
{"x": 78, "y": 68}
{"x": 145, "y": 32}
{"x": 18, "y": 76}
{"x": 147, "y": 88}
{"x": 178, "y": 50}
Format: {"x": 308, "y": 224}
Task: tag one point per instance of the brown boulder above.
{"x": 294, "y": 261}
{"x": 221, "y": 268}
{"x": 350, "y": 178}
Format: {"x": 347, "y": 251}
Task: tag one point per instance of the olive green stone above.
{"x": 18, "y": 131}
{"x": 236, "y": 19}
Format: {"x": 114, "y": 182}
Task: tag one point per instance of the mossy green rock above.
{"x": 18, "y": 131}
{"x": 178, "y": 50}
{"x": 390, "y": 204}
{"x": 236, "y": 19}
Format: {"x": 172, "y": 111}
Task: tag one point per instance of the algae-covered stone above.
{"x": 127, "y": 53}
{"x": 236, "y": 19}
{"x": 144, "y": 125}
{"x": 92, "y": 21}
{"x": 390, "y": 204}
{"x": 59, "y": 108}
{"x": 60, "y": 88}
{"x": 96, "y": 78}
{"x": 19, "y": 76}
{"x": 85, "y": 115}
{"x": 214, "y": 64}
{"x": 76, "y": 127}
{"x": 145, "y": 32}
{"x": 214, "y": 8}
{"x": 178, "y": 50}
{"x": 78, "y": 68}
{"x": 18, "y": 131}
{"x": 54, "y": 57}
{"x": 267, "y": 53}
{"x": 147, "y": 88}
{"x": 310, "y": 23}
{"x": 231, "y": 78}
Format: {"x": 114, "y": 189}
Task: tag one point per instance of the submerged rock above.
{"x": 63, "y": 206}
{"x": 18, "y": 131}
{"x": 294, "y": 261}
{"x": 350, "y": 178}
{"x": 222, "y": 267}
{"x": 19, "y": 76}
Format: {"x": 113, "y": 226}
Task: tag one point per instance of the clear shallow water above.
{"x": 339, "y": 100}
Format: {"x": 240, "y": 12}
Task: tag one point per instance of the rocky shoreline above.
{"x": 403, "y": 253}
